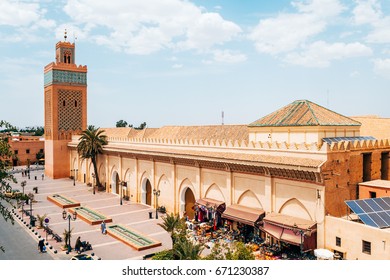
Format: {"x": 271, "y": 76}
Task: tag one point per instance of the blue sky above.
{"x": 172, "y": 62}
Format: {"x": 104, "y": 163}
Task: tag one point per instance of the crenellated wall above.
{"x": 343, "y": 171}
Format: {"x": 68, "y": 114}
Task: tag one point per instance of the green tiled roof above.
{"x": 304, "y": 113}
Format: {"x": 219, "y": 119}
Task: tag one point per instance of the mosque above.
{"x": 287, "y": 175}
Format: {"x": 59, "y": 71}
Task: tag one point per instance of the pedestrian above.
{"x": 103, "y": 227}
{"x": 78, "y": 245}
{"x": 43, "y": 176}
{"x": 41, "y": 245}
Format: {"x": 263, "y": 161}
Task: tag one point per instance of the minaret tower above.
{"x": 65, "y": 90}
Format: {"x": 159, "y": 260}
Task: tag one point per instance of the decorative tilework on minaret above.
{"x": 65, "y": 94}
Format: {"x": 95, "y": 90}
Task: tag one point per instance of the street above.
{"x": 18, "y": 244}
{"x": 21, "y": 244}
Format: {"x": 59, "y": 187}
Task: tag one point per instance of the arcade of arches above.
{"x": 181, "y": 186}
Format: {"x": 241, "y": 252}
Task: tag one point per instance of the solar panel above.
{"x": 373, "y": 212}
{"x": 374, "y": 205}
{"x": 382, "y": 203}
{"x": 385, "y": 217}
{"x": 387, "y": 200}
{"x": 378, "y": 220}
{"x": 367, "y": 220}
{"x": 363, "y": 204}
{"x": 354, "y": 207}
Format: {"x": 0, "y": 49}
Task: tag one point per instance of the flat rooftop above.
{"x": 376, "y": 183}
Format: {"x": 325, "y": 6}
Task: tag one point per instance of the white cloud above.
{"x": 24, "y": 18}
{"x": 370, "y": 12}
{"x": 380, "y": 32}
{"x": 21, "y": 14}
{"x": 227, "y": 56}
{"x": 14, "y": 13}
{"x": 320, "y": 54}
{"x": 288, "y": 31}
{"x": 320, "y": 8}
{"x": 366, "y": 12}
{"x": 143, "y": 27}
{"x": 382, "y": 67}
{"x": 177, "y": 66}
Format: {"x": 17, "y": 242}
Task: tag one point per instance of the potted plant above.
{"x": 67, "y": 235}
{"x": 41, "y": 220}
{"x": 162, "y": 209}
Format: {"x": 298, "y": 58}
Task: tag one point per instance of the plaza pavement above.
{"x": 131, "y": 214}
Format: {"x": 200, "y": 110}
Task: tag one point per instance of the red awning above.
{"x": 291, "y": 230}
{"x": 246, "y": 215}
{"x": 290, "y": 237}
{"x": 275, "y": 231}
{"x": 220, "y": 206}
{"x": 290, "y": 222}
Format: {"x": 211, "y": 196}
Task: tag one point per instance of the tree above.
{"x": 121, "y": 123}
{"x": 90, "y": 146}
{"x": 232, "y": 251}
{"x": 67, "y": 235}
{"x": 171, "y": 223}
{"x": 5, "y": 177}
{"x": 141, "y": 126}
{"x": 185, "y": 249}
{"x": 182, "y": 248}
{"x": 239, "y": 251}
{"x": 40, "y": 155}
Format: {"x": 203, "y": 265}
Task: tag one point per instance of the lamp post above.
{"x": 301, "y": 233}
{"x": 23, "y": 184}
{"x": 122, "y": 184}
{"x": 93, "y": 176}
{"x": 74, "y": 176}
{"x": 156, "y": 194}
{"x": 69, "y": 217}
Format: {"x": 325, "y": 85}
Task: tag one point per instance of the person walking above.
{"x": 41, "y": 245}
{"x": 103, "y": 227}
{"x": 43, "y": 176}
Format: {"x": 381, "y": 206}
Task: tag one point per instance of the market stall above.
{"x": 209, "y": 210}
{"x": 291, "y": 230}
{"x": 243, "y": 221}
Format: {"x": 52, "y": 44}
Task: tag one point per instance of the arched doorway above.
{"x": 115, "y": 183}
{"x": 189, "y": 199}
{"x": 148, "y": 190}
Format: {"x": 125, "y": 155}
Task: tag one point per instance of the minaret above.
{"x": 65, "y": 90}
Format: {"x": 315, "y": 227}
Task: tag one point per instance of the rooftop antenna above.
{"x": 65, "y": 35}
{"x": 223, "y": 117}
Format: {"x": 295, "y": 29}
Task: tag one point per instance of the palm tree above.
{"x": 185, "y": 249}
{"x": 91, "y": 145}
{"x": 67, "y": 235}
{"x": 172, "y": 222}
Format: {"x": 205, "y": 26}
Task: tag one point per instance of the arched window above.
{"x": 69, "y": 59}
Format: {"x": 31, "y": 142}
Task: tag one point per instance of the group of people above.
{"x": 82, "y": 245}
